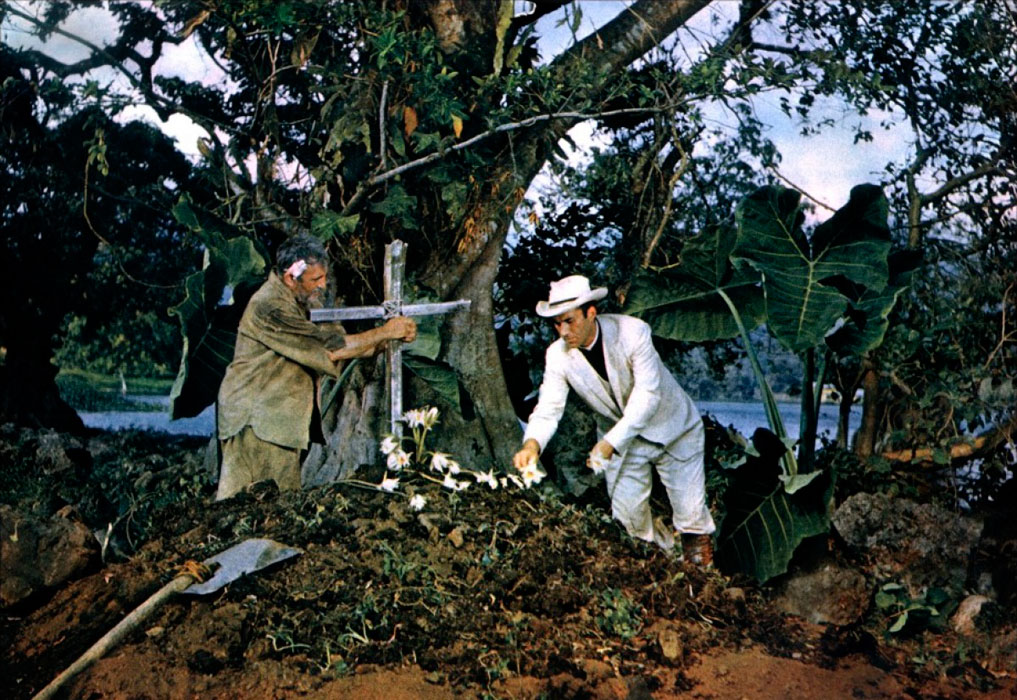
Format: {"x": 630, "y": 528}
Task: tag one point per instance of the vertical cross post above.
{"x": 392, "y": 306}
{"x": 395, "y": 264}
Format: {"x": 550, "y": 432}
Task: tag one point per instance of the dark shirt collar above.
{"x": 596, "y": 338}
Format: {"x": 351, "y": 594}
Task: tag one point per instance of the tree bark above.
{"x": 865, "y": 439}
{"x": 471, "y": 274}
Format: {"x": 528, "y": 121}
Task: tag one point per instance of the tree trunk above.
{"x": 844, "y": 417}
{"x": 351, "y": 424}
{"x": 472, "y": 348}
{"x": 865, "y": 440}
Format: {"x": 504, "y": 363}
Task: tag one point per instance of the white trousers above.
{"x": 682, "y": 471}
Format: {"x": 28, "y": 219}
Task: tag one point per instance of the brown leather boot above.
{"x": 698, "y": 549}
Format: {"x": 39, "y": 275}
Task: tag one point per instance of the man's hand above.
{"x": 401, "y": 328}
{"x": 529, "y": 453}
{"x": 372, "y": 341}
{"x": 602, "y": 452}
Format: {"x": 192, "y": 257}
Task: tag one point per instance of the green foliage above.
{"x": 685, "y": 302}
{"x": 234, "y": 268}
{"x": 869, "y": 312}
{"x": 620, "y": 615}
{"x": 722, "y": 278}
{"x": 764, "y": 522}
{"x": 800, "y": 272}
{"x": 904, "y": 615}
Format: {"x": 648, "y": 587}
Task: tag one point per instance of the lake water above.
{"x": 744, "y": 417}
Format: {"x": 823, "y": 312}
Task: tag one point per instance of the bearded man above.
{"x": 268, "y": 400}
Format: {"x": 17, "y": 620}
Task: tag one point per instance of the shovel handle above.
{"x": 116, "y": 635}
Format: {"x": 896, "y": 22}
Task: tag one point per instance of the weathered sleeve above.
{"x": 296, "y": 338}
{"x": 554, "y": 391}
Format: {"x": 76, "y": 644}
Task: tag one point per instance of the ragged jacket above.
{"x": 640, "y": 397}
{"x": 270, "y": 385}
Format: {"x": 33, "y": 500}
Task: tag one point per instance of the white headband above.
{"x": 297, "y": 269}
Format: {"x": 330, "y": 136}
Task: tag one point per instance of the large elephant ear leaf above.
{"x": 209, "y": 315}
{"x": 764, "y": 524}
{"x": 868, "y": 315}
{"x": 421, "y": 358}
{"x": 803, "y": 275}
{"x": 686, "y": 303}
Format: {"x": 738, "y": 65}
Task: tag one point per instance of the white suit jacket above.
{"x": 640, "y": 398}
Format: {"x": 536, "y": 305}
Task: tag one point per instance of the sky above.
{"x": 824, "y": 167}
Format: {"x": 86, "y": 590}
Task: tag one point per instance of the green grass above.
{"x": 89, "y": 391}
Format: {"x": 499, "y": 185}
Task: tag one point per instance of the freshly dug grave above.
{"x": 502, "y": 593}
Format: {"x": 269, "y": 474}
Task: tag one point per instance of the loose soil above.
{"x": 512, "y": 594}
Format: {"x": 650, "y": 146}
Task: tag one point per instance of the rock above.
{"x": 41, "y": 554}
{"x": 963, "y": 621}
{"x": 736, "y": 595}
{"x": 918, "y": 545}
{"x": 828, "y": 595}
{"x": 670, "y": 644}
{"x": 456, "y": 537}
{"x": 59, "y": 452}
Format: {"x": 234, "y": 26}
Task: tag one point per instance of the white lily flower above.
{"x": 439, "y": 462}
{"x": 389, "y": 484}
{"x": 414, "y": 418}
{"x": 450, "y": 483}
{"x": 532, "y": 475}
{"x": 486, "y": 478}
{"x": 453, "y": 466}
{"x": 504, "y": 482}
{"x": 429, "y": 417}
{"x": 462, "y": 485}
{"x": 418, "y": 502}
{"x": 398, "y": 459}
{"x": 389, "y": 444}
{"x": 598, "y": 463}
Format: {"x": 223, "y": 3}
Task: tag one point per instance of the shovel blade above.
{"x": 242, "y": 559}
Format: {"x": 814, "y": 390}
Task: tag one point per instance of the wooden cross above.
{"x": 395, "y": 264}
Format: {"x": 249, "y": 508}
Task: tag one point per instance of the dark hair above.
{"x": 302, "y": 246}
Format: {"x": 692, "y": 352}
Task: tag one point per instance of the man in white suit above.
{"x": 645, "y": 420}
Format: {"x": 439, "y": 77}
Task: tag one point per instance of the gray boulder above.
{"x": 829, "y": 594}
{"x": 919, "y": 545}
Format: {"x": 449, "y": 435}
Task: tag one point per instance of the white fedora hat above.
{"x": 569, "y": 293}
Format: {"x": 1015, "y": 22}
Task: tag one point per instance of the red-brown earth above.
{"x": 507, "y": 594}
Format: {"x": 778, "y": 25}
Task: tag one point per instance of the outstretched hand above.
{"x": 401, "y": 328}
{"x": 526, "y": 456}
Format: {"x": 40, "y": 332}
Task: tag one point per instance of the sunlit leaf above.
{"x": 684, "y": 303}
{"x": 410, "y": 120}
{"x": 802, "y": 273}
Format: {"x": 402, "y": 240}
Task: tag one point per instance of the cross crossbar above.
{"x": 395, "y": 263}
{"x": 358, "y": 313}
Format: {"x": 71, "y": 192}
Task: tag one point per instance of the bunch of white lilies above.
{"x": 439, "y": 467}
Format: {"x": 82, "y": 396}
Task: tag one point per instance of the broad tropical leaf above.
{"x": 867, "y": 317}
{"x": 802, "y": 273}
{"x": 211, "y": 310}
{"x": 684, "y": 302}
{"x": 421, "y": 358}
{"x": 764, "y": 523}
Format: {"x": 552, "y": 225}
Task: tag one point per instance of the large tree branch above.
{"x": 114, "y": 57}
{"x": 570, "y": 117}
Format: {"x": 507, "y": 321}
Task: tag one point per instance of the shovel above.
{"x": 240, "y": 559}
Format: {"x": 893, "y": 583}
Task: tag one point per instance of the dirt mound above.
{"x": 508, "y": 593}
